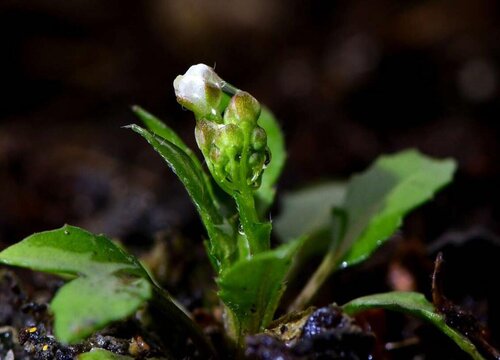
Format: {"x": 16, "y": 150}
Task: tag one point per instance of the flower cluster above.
{"x": 232, "y": 142}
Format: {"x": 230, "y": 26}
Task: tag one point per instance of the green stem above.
{"x": 329, "y": 263}
{"x": 256, "y": 240}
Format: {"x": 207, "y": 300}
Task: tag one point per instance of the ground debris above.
{"x": 42, "y": 346}
{"x": 460, "y": 319}
{"x": 325, "y": 333}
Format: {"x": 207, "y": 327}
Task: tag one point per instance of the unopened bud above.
{"x": 230, "y": 140}
{"x": 234, "y": 145}
{"x": 205, "y": 132}
{"x": 259, "y": 138}
{"x": 243, "y": 107}
{"x": 199, "y": 90}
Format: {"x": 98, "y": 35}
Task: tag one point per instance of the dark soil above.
{"x": 327, "y": 333}
{"x": 27, "y": 330}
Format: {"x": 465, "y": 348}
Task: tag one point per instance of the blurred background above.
{"x": 348, "y": 80}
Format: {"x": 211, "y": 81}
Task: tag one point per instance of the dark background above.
{"x": 348, "y": 80}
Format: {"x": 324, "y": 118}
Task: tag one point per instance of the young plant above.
{"x": 237, "y": 138}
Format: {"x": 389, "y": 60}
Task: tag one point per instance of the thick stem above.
{"x": 256, "y": 240}
{"x": 329, "y": 263}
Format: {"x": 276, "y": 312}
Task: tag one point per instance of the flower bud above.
{"x": 259, "y": 138}
{"x": 234, "y": 145}
{"x": 243, "y": 107}
{"x": 199, "y": 90}
{"x": 230, "y": 140}
{"x": 205, "y": 132}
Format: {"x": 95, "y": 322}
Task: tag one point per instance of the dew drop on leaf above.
{"x": 268, "y": 158}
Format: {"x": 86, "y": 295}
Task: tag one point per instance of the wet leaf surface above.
{"x": 71, "y": 251}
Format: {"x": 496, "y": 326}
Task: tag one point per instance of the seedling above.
{"x": 243, "y": 149}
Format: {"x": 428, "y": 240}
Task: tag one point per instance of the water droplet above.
{"x": 66, "y": 232}
{"x": 255, "y": 181}
{"x": 343, "y": 265}
{"x": 254, "y": 185}
{"x": 240, "y": 229}
{"x": 267, "y": 161}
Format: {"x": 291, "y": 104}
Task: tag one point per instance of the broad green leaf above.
{"x": 265, "y": 194}
{"x": 221, "y": 244}
{"x": 87, "y": 304}
{"x": 374, "y": 206}
{"x": 413, "y": 304}
{"x": 161, "y": 129}
{"x": 71, "y": 250}
{"x": 308, "y": 211}
{"x": 252, "y": 288}
{"x": 112, "y": 284}
{"x": 101, "y": 354}
{"x": 377, "y": 200}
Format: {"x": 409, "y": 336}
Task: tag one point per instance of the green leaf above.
{"x": 308, "y": 211}
{"x": 375, "y": 203}
{"x": 182, "y": 165}
{"x": 161, "y": 129}
{"x": 87, "y": 304}
{"x": 252, "y": 287}
{"x": 71, "y": 250}
{"x": 378, "y": 199}
{"x": 265, "y": 194}
{"x": 413, "y": 304}
{"x": 221, "y": 243}
{"x": 112, "y": 286}
{"x": 101, "y": 354}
